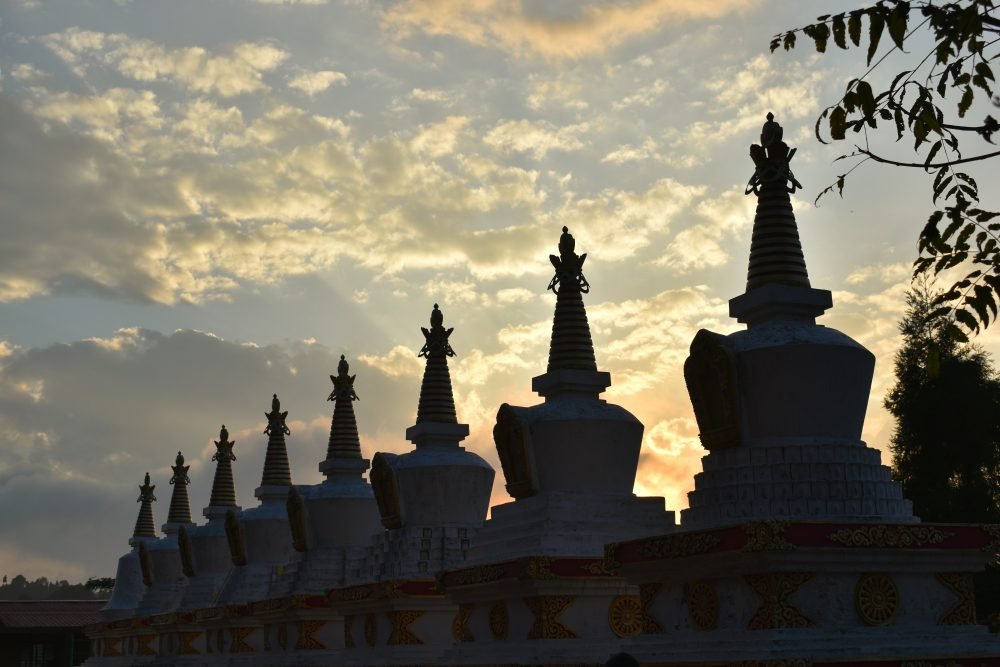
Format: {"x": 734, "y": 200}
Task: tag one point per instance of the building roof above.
{"x": 39, "y": 614}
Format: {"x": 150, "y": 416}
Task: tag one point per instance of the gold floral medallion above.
{"x": 703, "y": 604}
{"x": 876, "y": 599}
{"x": 499, "y": 623}
{"x": 625, "y": 616}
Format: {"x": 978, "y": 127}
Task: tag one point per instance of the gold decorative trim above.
{"x": 774, "y": 590}
{"x": 307, "y": 636}
{"x": 883, "y": 536}
{"x": 679, "y": 546}
{"x": 401, "y": 633}
{"x": 187, "y": 642}
{"x": 546, "y": 609}
{"x": 703, "y": 604}
{"x": 371, "y": 627}
{"x": 625, "y": 616}
{"x": 238, "y": 640}
{"x": 767, "y": 536}
{"x": 480, "y": 574}
{"x": 647, "y": 593}
{"x": 876, "y": 599}
{"x": 539, "y": 567}
{"x": 144, "y": 645}
{"x": 460, "y": 624}
{"x": 499, "y": 622}
{"x": 349, "y": 631}
{"x": 963, "y": 612}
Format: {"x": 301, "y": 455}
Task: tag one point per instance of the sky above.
{"x": 204, "y": 202}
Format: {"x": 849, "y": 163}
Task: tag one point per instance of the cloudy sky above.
{"x": 206, "y": 202}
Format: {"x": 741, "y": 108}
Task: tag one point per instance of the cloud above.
{"x": 562, "y": 31}
{"x": 316, "y": 82}
{"x": 536, "y": 138}
{"x": 700, "y": 246}
{"x": 236, "y": 72}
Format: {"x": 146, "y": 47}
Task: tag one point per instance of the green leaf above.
{"x": 854, "y": 26}
{"x": 897, "y": 23}
{"x": 932, "y": 357}
{"x": 789, "y": 41}
{"x": 900, "y": 126}
{"x": 934, "y": 151}
{"x": 983, "y": 70}
{"x": 985, "y": 216}
{"x": 839, "y": 31}
{"x": 775, "y": 43}
{"x": 838, "y": 123}
{"x": 965, "y": 103}
{"x": 967, "y": 319}
{"x": 875, "y": 26}
{"x": 985, "y": 300}
{"x": 956, "y": 334}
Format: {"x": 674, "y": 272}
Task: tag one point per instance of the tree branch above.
{"x": 921, "y": 165}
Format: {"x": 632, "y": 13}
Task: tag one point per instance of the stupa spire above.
{"x": 777, "y": 282}
{"x": 223, "y": 487}
{"x": 571, "y": 347}
{"x": 180, "y": 507}
{"x": 276, "y": 470}
{"x": 437, "y": 403}
{"x": 144, "y": 526}
{"x": 344, "y": 442}
{"x": 775, "y": 251}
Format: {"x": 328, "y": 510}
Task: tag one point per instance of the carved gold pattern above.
{"x": 112, "y": 646}
{"x": 625, "y": 616}
{"x": 349, "y": 631}
{"x": 964, "y": 610}
{"x": 546, "y": 609}
{"x": 282, "y": 636}
{"x": 144, "y": 645}
{"x": 371, "y": 626}
{"x": 539, "y": 567}
{"x": 774, "y": 590}
{"x": 703, "y": 604}
{"x": 889, "y": 536}
{"x": 511, "y": 434}
{"x": 187, "y": 642}
{"x": 401, "y": 633}
{"x": 598, "y": 568}
{"x": 499, "y": 622}
{"x": 767, "y": 536}
{"x": 460, "y": 624}
{"x": 876, "y": 599}
{"x": 238, "y": 640}
{"x": 477, "y": 575}
{"x": 679, "y": 546}
{"x": 307, "y": 636}
{"x": 647, "y": 593}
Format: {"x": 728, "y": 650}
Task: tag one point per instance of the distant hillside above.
{"x": 19, "y": 588}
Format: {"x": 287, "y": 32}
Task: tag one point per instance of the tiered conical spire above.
{"x": 276, "y": 471}
{"x": 571, "y": 347}
{"x": 223, "y": 487}
{"x": 344, "y": 442}
{"x": 775, "y": 251}
{"x": 180, "y": 507}
{"x": 144, "y": 526}
{"x": 437, "y": 404}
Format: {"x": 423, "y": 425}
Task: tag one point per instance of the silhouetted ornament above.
{"x": 710, "y": 375}
{"x": 571, "y": 347}
{"x": 437, "y": 403}
{"x": 276, "y": 419}
{"x": 775, "y": 251}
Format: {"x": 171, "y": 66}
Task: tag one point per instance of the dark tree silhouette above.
{"x": 965, "y": 40}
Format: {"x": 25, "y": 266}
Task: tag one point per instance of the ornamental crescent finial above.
{"x": 568, "y": 266}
